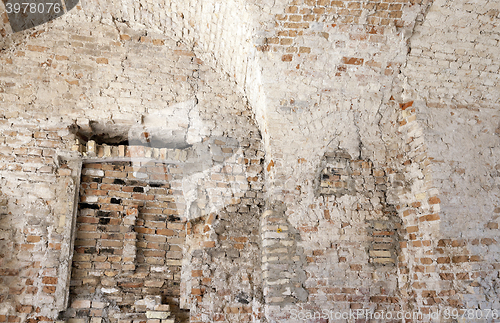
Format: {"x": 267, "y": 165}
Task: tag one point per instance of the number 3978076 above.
{"x": 26, "y": 7}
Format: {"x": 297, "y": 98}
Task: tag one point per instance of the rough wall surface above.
{"x": 129, "y": 241}
{"x": 335, "y": 155}
{"x": 452, "y": 74}
{"x": 110, "y": 90}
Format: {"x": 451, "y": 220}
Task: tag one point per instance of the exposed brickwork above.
{"x": 465, "y": 66}
{"x": 385, "y": 245}
{"x": 29, "y": 154}
{"x": 129, "y": 241}
{"x": 309, "y": 18}
{"x": 336, "y": 178}
{"x": 282, "y": 260}
{"x": 225, "y": 276}
{"x": 375, "y": 124}
{"x": 343, "y": 176}
{"x": 42, "y": 157}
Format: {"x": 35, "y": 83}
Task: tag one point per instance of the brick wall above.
{"x": 91, "y": 66}
{"x": 407, "y": 88}
{"x": 224, "y": 280}
{"x": 457, "y": 107}
{"x": 35, "y": 246}
{"x": 129, "y": 241}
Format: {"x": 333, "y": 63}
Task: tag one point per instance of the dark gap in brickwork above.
{"x": 104, "y": 220}
{"x": 118, "y": 181}
{"x": 138, "y": 135}
{"x": 88, "y": 206}
{"x": 102, "y": 134}
{"x": 115, "y": 201}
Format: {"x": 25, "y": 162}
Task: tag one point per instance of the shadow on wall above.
{"x": 6, "y": 243}
{"x": 26, "y": 14}
{"x": 178, "y": 136}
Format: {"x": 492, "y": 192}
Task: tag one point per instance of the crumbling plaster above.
{"x": 409, "y": 93}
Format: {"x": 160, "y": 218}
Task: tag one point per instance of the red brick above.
{"x": 378, "y": 299}
{"x": 419, "y": 269}
{"x": 459, "y": 259}
{"x": 446, "y": 276}
{"x": 428, "y": 293}
{"x": 154, "y": 253}
{"x": 101, "y": 60}
{"x": 492, "y": 225}
{"x": 475, "y": 259}
{"x": 87, "y": 219}
{"x": 49, "y": 289}
{"x": 406, "y": 105}
{"x": 308, "y": 229}
{"x": 434, "y": 200}
{"x": 488, "y": 241}
{"x": 165, "y": 232}
{"x": 34, "y": 48}
{"x": 24, "y": 309}
{"x": 426, "y": 261}
{"x": 130, "y": 285}
{"x": 144, "y": 230}
{"x": 443, "y": 260}
{"x": 304, "y": 50}
{"x": 49, "y": 280}
{"x": 458, "y": 243}
{"x": 184, "y": 53}
{"x": 143, "y": 197}
{"x": 197, "y": 273}
{"x": 33, "y": 239}
{"x": 352, "y": 60}
{"x": 444, "y": 242}
{"x": 432, "y": 217}
{"x": 87, "y": 227}
{"x": 26, "y": 246}
{"x": 412, "y": 229}
{"x": 208, "y": 244}
{"x": 196, "y": 291}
